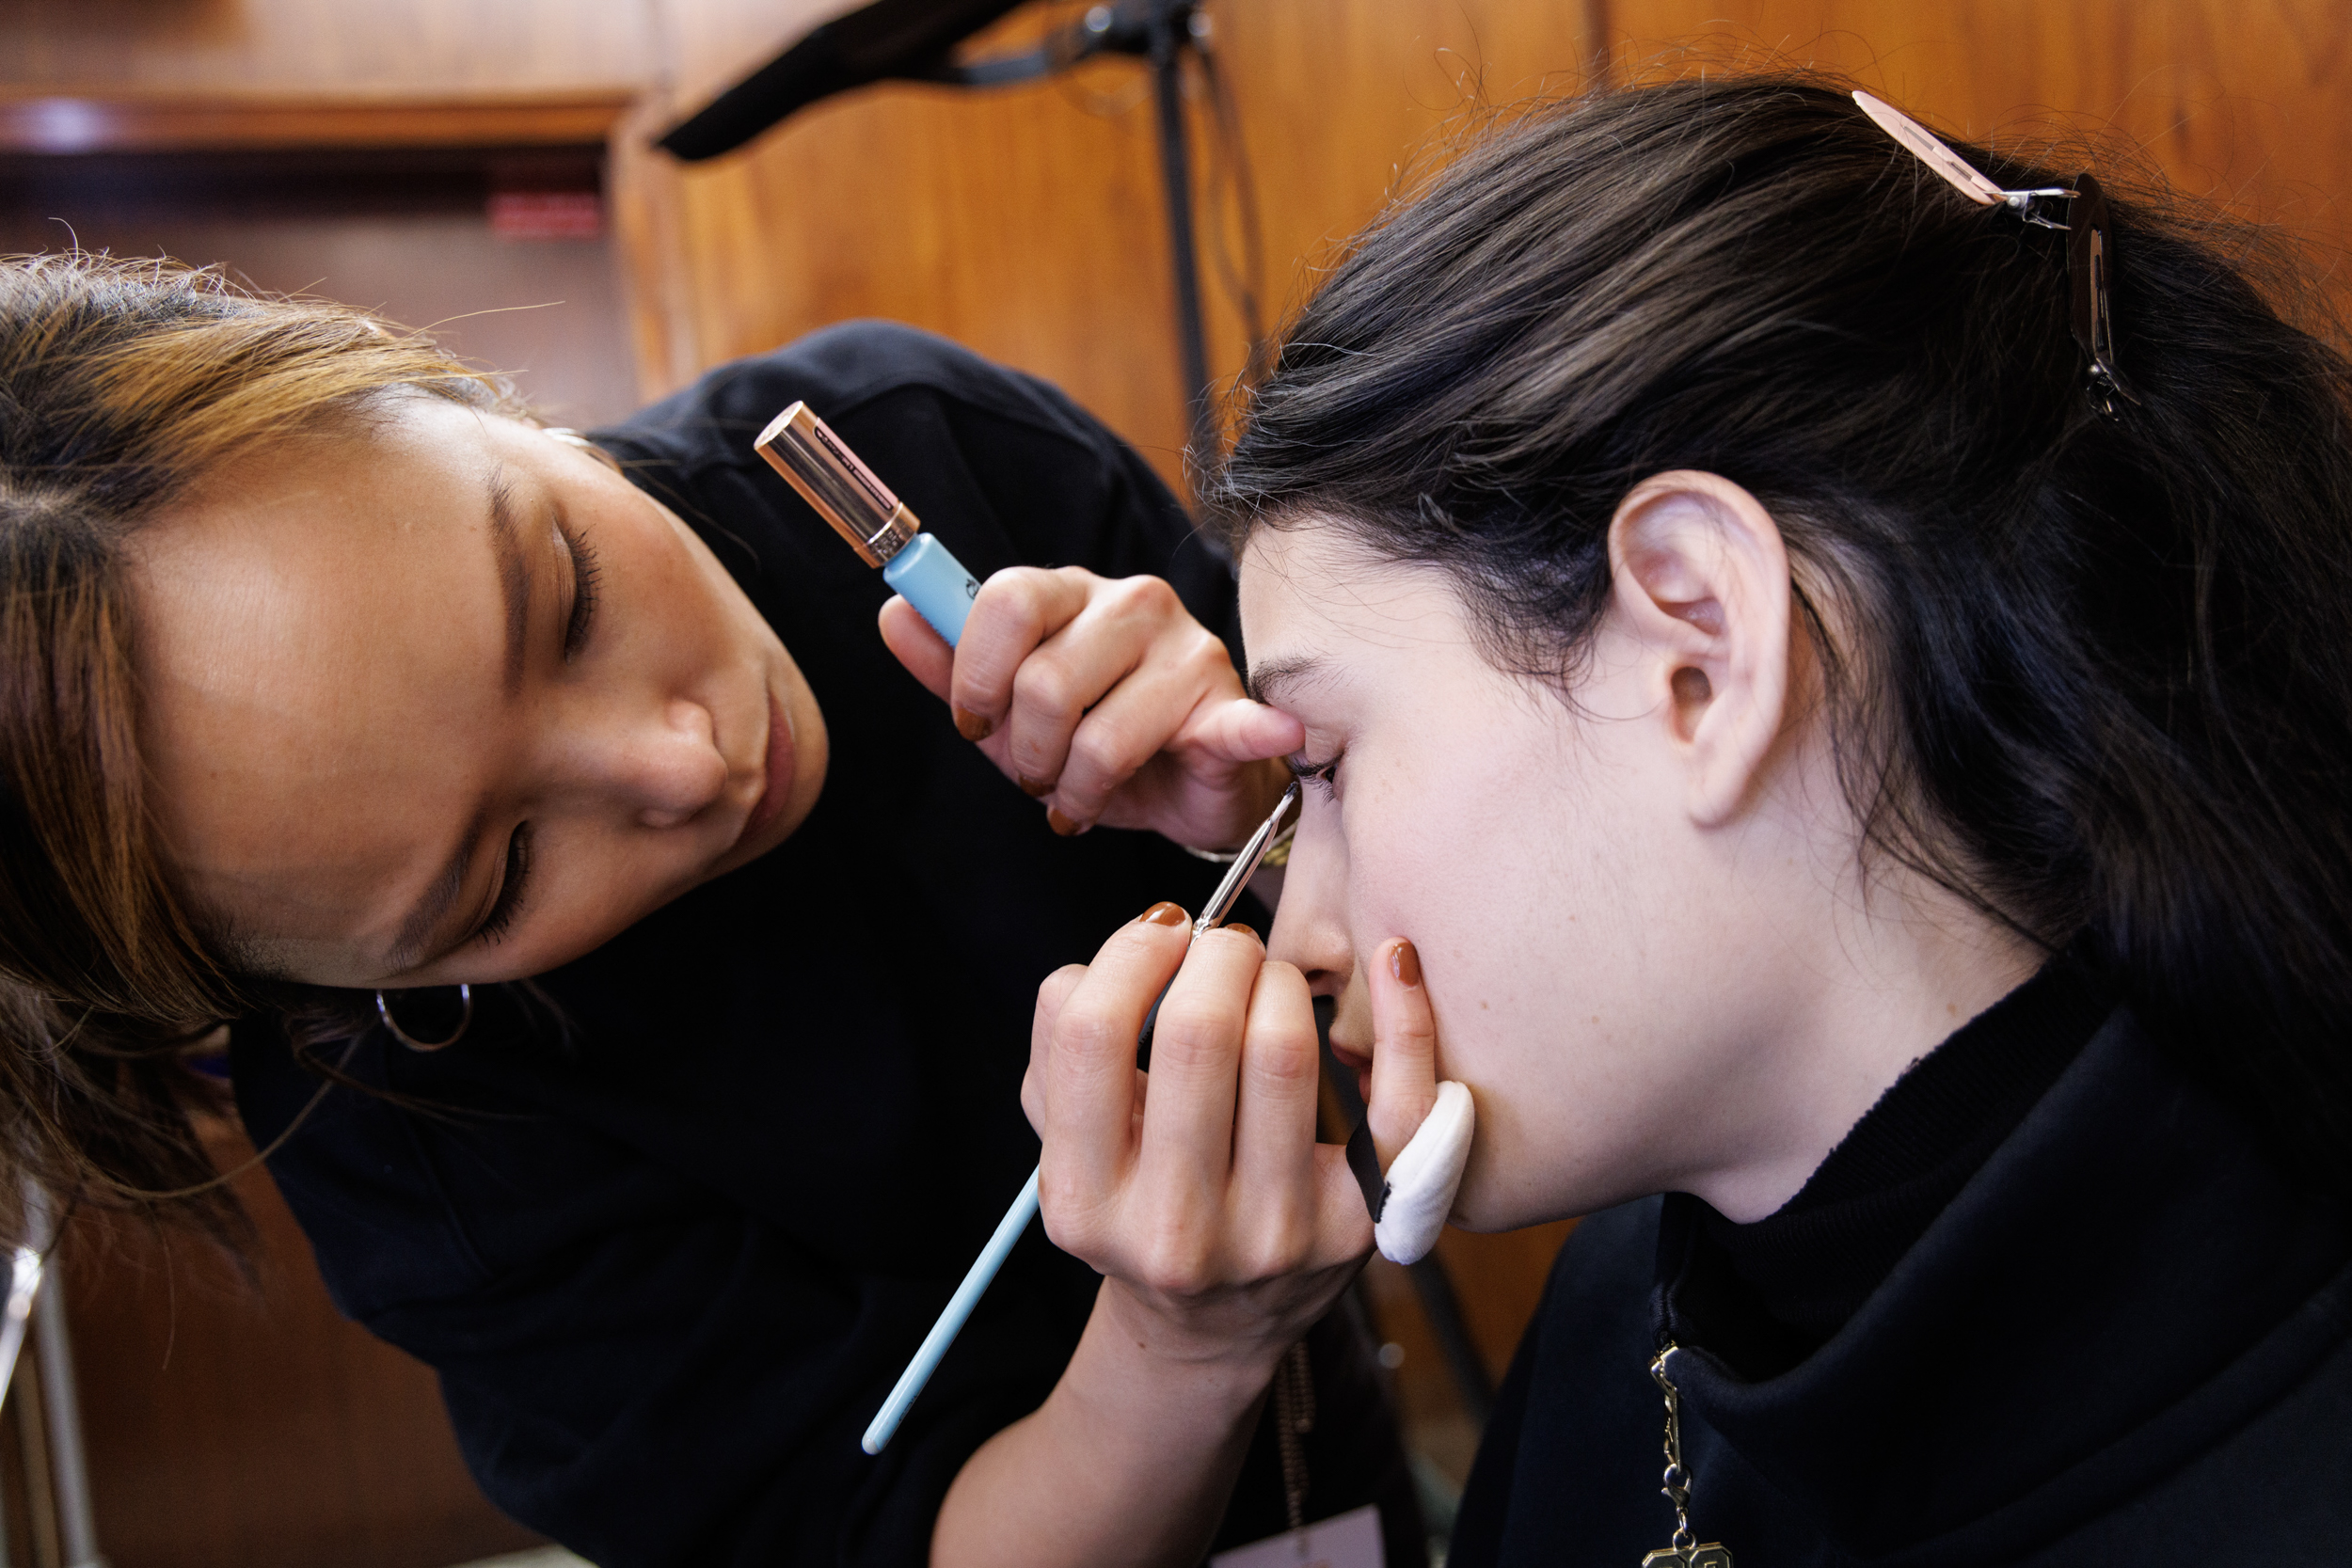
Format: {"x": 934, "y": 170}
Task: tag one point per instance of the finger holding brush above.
{"x": 1222, "y": 1230}
{"x": 1198, "y": 1187}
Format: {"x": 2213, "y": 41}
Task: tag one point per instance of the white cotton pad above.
{"x": 1424, "y": 1177}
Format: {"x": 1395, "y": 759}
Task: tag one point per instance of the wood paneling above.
{"x": 430, "y": 48}
{"x": 2240, "y": 102}
{"x": 1027, "y": 222}
{"x": 41, "y": 122}
{"x": 236, "y": 1427}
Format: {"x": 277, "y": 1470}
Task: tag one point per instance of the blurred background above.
{"x": 487, "y": 167}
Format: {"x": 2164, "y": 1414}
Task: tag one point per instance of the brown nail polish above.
{"x": 1405, "y": 963}
{"x": 974, "y": 726}
{"x": 1166, "y": 913}
{"x": 1244, "y": 929}
{"x": 1033, "y": 789}
{"x": 1067, "y": 827}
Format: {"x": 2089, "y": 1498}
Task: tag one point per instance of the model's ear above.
{"x": 1701, "y": 582}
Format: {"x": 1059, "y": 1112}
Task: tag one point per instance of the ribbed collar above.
{"x": 2127, "y": 1274}
{"x": 1790, "y": 1280}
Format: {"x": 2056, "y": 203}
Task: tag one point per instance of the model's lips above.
{"x": 778, "y": 787}
{"x": 1358, "y": 1062}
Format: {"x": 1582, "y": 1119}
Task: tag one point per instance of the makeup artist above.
{"x": 631, "y": 968}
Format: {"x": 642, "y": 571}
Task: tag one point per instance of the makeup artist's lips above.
{"x": 779, "y": 783}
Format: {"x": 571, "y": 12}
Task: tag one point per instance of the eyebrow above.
{"x": 1269, "y": 683}
{"x": 514, "y": 577}
{"x": 416, "y": 935}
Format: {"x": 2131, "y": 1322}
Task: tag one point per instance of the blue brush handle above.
{"x": 935, "y": 583}
{"x": 944, "y": 1332}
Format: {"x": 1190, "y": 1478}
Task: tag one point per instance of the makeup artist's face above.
{"x": 437, "y": 698}
{"x": 1532, "y": 847}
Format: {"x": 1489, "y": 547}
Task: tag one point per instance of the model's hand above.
{"x": 1402, "y": 1086}
{"x": 1107, "y": 701}
{"x": 1224, "y": 1228}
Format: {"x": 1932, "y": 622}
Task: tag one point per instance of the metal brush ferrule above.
{"x": 816, "y": 463}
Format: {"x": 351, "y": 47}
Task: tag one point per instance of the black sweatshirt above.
{"x": 2048, "y": 1304}
{"x": 669, "y": 1253}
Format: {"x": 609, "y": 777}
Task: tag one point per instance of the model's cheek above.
{"x": 1414, "y": 886}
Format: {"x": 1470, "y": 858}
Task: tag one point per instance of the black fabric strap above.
{"x": 1364, "y": 1160}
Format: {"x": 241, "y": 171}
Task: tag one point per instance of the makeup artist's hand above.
{"x": 1106, "y": 700}
{"x": 1224, "y": 1228}
{"x": 1222, "y": 1231}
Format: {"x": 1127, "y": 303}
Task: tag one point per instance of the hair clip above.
{"x": 2089, "y": 261}
{"x": 2089, "y": 250}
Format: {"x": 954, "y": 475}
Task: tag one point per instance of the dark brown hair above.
{"x": 120, "y": 382}
{"x": 2094, "y": 673}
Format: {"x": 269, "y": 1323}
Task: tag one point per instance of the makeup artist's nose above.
{"x": 667, "y": 768}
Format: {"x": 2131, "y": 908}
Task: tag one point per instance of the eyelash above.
{"x": 1323, "y": 774}
{"x": 584, "y": 578}
{"x": 510, "y": 900}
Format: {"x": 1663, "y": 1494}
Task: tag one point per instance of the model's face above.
{"x": 1535, "y": 849}
{"x": 437, "y": 698}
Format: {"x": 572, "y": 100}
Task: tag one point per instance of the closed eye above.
{"x": 509, "y": 902}
{"x": 585, "y": 576}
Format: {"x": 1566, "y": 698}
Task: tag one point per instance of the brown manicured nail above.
{"x": 973, "y": 727}
{"x": 1246, "y": 929}
{"x": 1033, "y": 789}
{"x": 1166, "y": 913}
{"x": 1405, "y": 963}
{"x": 1067, "y": 827}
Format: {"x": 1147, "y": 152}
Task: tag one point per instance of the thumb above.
{"x": 1403, "y": 1049}
{"x": 1238, "y": 730}
{"x": 923, "y": 651}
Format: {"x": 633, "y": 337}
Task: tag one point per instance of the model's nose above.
{"x": 1311, "y": 918}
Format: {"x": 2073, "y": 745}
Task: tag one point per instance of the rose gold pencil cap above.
{"x": 801, "y": 448}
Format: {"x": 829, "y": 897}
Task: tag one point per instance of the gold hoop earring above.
{"x": 465, "y": 1022}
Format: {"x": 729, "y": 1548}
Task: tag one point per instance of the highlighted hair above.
{"x": 121, "y": 382}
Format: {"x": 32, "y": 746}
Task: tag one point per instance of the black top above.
{"x": 2125, "y": 1338}
{"x": 668, "y": 1236}
{"x": 1764, "y": 1296}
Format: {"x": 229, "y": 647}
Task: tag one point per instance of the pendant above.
{"x": 1709, "y": 1556}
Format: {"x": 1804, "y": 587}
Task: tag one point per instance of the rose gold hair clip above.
{"x": 2090, "y": 251}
